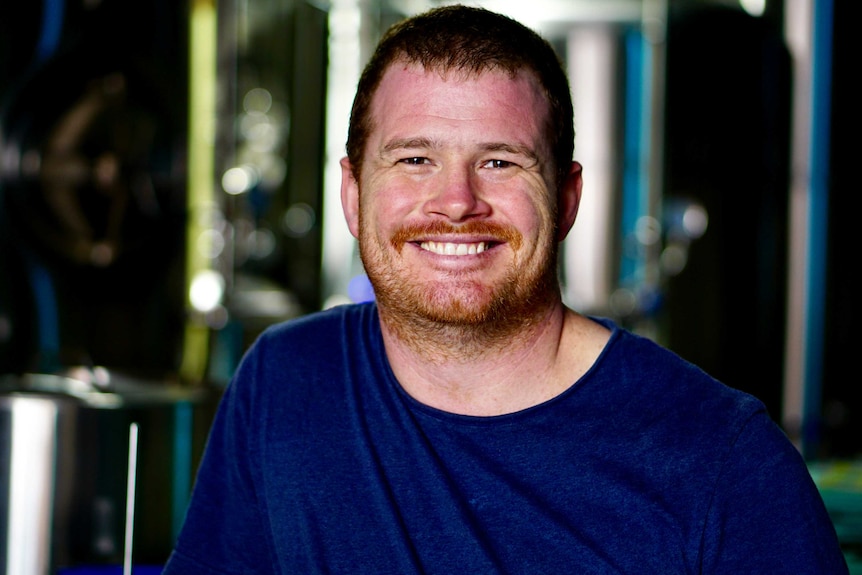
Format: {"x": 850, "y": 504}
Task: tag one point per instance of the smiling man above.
{"x": 467, "y": 421}
{"x": 459, "y": 215}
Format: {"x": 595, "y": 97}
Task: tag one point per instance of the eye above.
{"x": 497, "y": 164}
{"x": 415, "y": 161}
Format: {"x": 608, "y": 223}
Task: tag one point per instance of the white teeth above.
{"x": 451, "y": 249}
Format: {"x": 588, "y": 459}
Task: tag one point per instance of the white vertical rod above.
{"x": 130, "y": 497}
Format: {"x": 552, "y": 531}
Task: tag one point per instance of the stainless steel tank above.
{"x": 64, "y": 463}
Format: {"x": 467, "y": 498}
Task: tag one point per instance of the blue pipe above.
{"x": 633, "y": 188}
{"x": 182, "y": 458}
{"x": 52, "y": 27}
{"x": 818, "y": 223}
{"x": 47, "y": 314}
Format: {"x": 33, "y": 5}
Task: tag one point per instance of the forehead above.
{"x": 408, "y": 94}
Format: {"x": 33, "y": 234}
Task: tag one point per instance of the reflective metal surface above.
{"x": 63, "y": 468}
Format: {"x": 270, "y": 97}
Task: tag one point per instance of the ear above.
{"x": 569, "y": 200}
{"x": 350, "y": 197}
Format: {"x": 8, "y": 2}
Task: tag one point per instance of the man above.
{"x": 467, "y": 421}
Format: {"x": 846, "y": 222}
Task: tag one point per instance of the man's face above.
{"x": 455, "y": 212}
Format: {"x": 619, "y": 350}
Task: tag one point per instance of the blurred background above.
{"x": 169, "y": 187}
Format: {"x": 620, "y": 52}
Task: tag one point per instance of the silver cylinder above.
{"x": 63, "y": 470}
{"x": 36, "y": 438}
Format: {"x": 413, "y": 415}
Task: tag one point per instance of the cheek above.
{"x": 379, "y": 216}
{"x": 531, "y": 216}
{"x": 388, "y": 206}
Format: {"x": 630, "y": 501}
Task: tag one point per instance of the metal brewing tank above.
{"x": 64, "y": 448}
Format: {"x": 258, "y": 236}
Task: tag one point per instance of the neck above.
{"x": 490, "y": 370}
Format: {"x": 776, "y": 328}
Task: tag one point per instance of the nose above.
{"x": 456, "y": 196}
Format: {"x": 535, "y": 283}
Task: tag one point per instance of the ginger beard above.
{"x": 467, "y": 308}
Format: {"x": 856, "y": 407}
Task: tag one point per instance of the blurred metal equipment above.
{"x": 63, "y": 477}
{"x": 264, "y": 237}
{"x": 93, "y": 214}
{"x": 93, "y": 219}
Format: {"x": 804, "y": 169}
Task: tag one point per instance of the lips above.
{"x": 454, "y": 249}
{"x": 468, "y": 239}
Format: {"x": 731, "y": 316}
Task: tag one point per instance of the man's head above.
{"x": 460, "y": 182}
{"x": 470, "y": 40}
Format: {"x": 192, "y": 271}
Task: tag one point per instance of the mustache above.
{"x": 487, "y": 230}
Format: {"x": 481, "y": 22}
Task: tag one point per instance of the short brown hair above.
{"x": 473, "y": 40}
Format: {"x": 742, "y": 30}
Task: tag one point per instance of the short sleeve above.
{"x": 766, "y": 514}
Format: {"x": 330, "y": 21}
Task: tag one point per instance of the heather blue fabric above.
{"x": 318, "y": 462}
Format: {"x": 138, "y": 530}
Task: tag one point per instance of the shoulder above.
{"x": 658, "y": 368}
{"x": 659, "y": 390}
{"x": 694, "y": 428}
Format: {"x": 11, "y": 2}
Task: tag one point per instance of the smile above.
{"x": 453, "y": 249}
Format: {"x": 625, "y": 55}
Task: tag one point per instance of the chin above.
{"x": 456, "y": 312}
{"x": 462, "y": 305}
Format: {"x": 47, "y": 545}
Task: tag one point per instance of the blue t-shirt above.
{"x": 319, "y": 462}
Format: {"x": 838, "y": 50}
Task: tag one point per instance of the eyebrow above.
{"x": 519, "y": 150}
{"x": 409, "y": 143}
